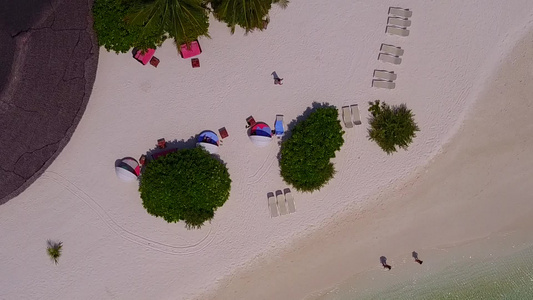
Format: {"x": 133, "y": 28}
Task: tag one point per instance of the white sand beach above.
{"x": 459, "y": 64}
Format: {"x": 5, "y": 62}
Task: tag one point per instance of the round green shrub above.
{"x": 391, "y": 127}
{"x": 305, "y": 155}
{"x": 188, "y": 185}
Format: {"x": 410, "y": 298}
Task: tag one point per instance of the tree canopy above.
{"x": 305, "y": 155}
{"x": 121, "y": 25}
{"x": 391, "y": 127}
{"x": 188, "y": 185}
{"x": 248, "y": 14}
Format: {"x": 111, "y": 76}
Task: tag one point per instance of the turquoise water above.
{"x": 508, "y": 275}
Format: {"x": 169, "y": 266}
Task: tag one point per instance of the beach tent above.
{"x": 143, "y": 57}
{"x": 209, "y": 141}
{"x": 261, "y": 134}
{"x": 128, "y": 169}
{"x": 193, "y": 50}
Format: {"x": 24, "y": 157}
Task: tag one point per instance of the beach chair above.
{"x": 223, "y": 132}
{"x": 390, "y": 49}
{"x": 356, "y": 116}
{"x": 281, "y": 203}
{"x": 397, "y": 31}
{"x": 154, "y": 61}
{"x": 383, "y": 84}
{"x": 250, "y": 121}
{"x": 290, "y": 200}
{"x": 389, "y": 59}
{"x": 195, "y": 62}
{"x": 400, "y": 12}
{"x": 278, "y": 125}
{"x": 399, "y": 22}
{"x": 384, "y": 74}
{"x": 161, "y": 143}
{"x": 347, "y": 117}
{"x": 272, "y": 205}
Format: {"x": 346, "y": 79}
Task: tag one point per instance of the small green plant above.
{"x": 305, "y": 155}
{"x": 54, "y": 250}
{"x": 188, "y": 185}
{"x": 391, "y": 127}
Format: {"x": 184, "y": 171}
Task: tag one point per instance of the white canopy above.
{"x": 130, "y": 162}
{"x": 260, "y": 141}
{"x": 211, "y": 148}
{"x": 125, "y": 175}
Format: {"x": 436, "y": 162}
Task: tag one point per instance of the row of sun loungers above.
{"x": 384, "y": 79}
{"x": 398, "y": 21}
{"x": 351, "y": 115}
{"x": 281, "y": 204}
{"x": 390, "y": 54}
{"x": 397, "y": 24}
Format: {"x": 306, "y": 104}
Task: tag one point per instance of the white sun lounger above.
{"x": 290, "y": 200}
{"x": 399, "y": 22}
{"x": 281, "y": 203}
{"x": 383, "y": 84}
{"x": 397, "y": 31}
{"x": 347, "y": 117}
{"x": 400, "y": 12}
{"x": 383, "y": 74}
{"x": 356, "y": 116}
{"x": 272, "y": 205}
{"x": 390, "y": 59}
{"x": 390, "y": 49}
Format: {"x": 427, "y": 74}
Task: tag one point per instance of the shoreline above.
{"x": 262, "y": 279}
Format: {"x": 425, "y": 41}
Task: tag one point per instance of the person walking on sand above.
{"x": 383, "y": 261}
{"x": 415, "y": 256}
{"x": 277, "y": 80}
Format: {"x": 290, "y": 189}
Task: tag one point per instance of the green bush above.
{"x": 186, "y": 185}
{"x": 305, "y": 155}
{"x": 248, "y": 14}
{"x": 391, "y": 127}
{"x": 54, "y": 250}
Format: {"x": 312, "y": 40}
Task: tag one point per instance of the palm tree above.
{"x": 54, "y": 250}
{"x": 248, "y": 14}
{"x": 182, "y": 20}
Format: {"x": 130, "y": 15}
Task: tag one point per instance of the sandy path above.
{"x": 479, "y": 186}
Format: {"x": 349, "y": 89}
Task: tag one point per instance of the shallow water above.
{"x": 491, "y": 268}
